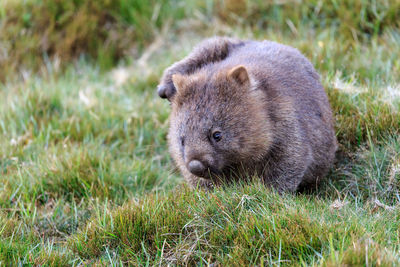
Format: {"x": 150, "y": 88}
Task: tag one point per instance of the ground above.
{"x": 85, "y": 175}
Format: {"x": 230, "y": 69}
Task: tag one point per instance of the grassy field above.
{"x": 85, "y": 175}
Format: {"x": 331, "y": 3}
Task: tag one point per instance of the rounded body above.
{"x": 248, "y": 108}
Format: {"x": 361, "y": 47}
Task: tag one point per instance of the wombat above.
{"x": 243, "y": 108}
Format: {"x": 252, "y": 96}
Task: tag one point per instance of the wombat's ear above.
{"x": 179, "y": 81}
{"x": 239, "y": 74}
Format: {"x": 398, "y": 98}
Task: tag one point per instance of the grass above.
{"x": 85, "y": 175}
{"x": 112, "y": 30}
{"x": 238, "y": 226}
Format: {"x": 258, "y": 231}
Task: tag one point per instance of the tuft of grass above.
{"x": 363, "y": 253}
{"x": 363, "y": 116}
{"x": 372, "y": 172}
{"x": 34, "y": 31}
{"x": 244, "y": 225}
{"x": 67, "y": 143}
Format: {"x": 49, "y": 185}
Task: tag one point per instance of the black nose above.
{"x": 196, "y": 167}
{"x": 166, "y": 91}
{"x": 161, "y": 90}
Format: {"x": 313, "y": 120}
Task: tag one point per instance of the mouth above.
{"x": 209, "y": 173}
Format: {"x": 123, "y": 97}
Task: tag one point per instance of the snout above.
{"x": 197, "y": 168}
{"x": 161, "y": 90}
{"x": 166, "y": 91}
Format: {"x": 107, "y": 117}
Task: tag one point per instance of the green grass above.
{"x": 85, "y": 175}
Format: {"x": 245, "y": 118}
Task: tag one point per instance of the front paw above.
{"x": 166, "y": 91}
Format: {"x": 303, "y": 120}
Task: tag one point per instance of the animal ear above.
{"x": 239, "y": 74}
{"x": 180, "y": 82}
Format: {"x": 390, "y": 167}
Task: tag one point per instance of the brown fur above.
{"x": 267, "y": 103}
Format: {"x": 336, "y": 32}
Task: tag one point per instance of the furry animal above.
{"x": 247, "y": 108}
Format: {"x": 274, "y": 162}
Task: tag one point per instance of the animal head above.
{"x": 218, "y": 121}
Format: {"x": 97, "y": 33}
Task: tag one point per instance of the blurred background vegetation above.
{"x": 33, "y": 31}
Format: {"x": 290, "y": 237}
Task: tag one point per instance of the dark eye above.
{"x": 182, "y": 141}
{"x": 217, "y": 136}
